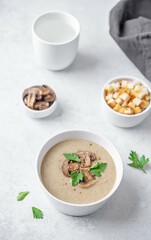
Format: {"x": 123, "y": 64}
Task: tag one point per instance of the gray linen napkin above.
{"x": 130, "y": 26}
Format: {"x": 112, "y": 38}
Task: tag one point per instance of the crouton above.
{"x": 115, "y": 95}
{"x": 132, "y": 105}
{"x": 121, "y": 110}
{"x": 145, "y": 90}
{"x": 119, "y": 101}
{"x": 109, "y": 88}
{"x": 111, "y": 102}
{"x": 124, "y": 96}
{"x": 137, "y": 110}
{"x": 148, "y": 97}
{"x": 124, "y": 104}
{"x": 124, "y": 84}
{"x": 137, "y": 101}
{"x": 144, "y": 104}
{"x": 137, "y": 88}
{"x": 131, "y": 85}
{"x": 133, "y": 93}
{"x": 108, "y": 96}
{"x": 128, "y": 111}
{"x": 122, "y": 90}
{"x": 117, "y": 107}
{"x": 141, "y": 94}
{"x": 115, "y": 86}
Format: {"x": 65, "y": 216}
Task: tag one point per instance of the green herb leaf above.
{"x": 98, "y": 168}
{"x": 76, "y": 178}
{"x": 37, "y": 213}
{"x": 72, "y": 156}
{"x": 22, "y": 195}
{"x": 136, "y": 162}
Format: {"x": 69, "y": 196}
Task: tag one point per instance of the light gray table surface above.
{"x": 127, "y": 215}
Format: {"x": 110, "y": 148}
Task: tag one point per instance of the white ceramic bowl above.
{"x": 79, "y": 209}
{"x": 119, "y": 119}
{"x": 40, "y": 113}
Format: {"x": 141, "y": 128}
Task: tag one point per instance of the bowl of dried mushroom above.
{"x": 126, "y": 101}
{"x": 39, "y": 101}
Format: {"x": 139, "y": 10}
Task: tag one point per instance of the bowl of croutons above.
{"x": 126, "y": 101}
{"x": 39, "y": 101}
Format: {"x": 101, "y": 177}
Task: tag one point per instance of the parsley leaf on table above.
{"x": 22, "y": 195}
{"x": 136, "y": 162}
{"x": 76, "y": 178}
{"x": 72, "y": 156}
{"x": 98, "y": 168}
{"x": 37, "y": 213}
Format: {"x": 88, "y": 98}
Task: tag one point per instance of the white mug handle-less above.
{"x": 55, "y": 54}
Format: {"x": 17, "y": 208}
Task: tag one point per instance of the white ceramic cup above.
{"x": 55, "y": 39}
{"x": 79, "y": 209}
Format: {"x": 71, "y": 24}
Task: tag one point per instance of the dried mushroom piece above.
{"x": 87, "y": 176}
{"x": 86, "y": 157}
{"x": 87, "y": 184}
{"x": 91, "y": 154}
{"x": 89, "y": 180}
{"x": 73, "y": 166}
{"x": 65, "y": 168}
{"x": 50, "y": 97}
{"x": 34, "y": 91}
{"x": 45, "y": 90}
{"x": 41, "y": 105}
{"x": 69, "y": 166}
{"x": 39, "y": 97}
{"x": 30, "y": 99}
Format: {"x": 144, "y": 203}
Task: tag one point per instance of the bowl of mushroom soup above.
{"x": 78, "y": 171}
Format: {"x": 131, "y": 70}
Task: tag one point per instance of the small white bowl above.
{"x": 40, "y": 113}
{"x": 79, "y": 209}
{"x": 119, "y": 119}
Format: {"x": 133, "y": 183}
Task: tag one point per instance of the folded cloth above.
{"x": 130, "y": 26}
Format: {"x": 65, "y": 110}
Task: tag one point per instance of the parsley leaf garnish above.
{"x": 76, "y": 178}
{"x": 98, "y": 168}
{"x": 22, "y": 195}
{"x": 72, "y": 156}
{"x": 37, "y": 213}
{"x": 136, "y": 162}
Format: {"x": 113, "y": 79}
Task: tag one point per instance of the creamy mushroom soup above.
{"x": 78, "y": 171}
